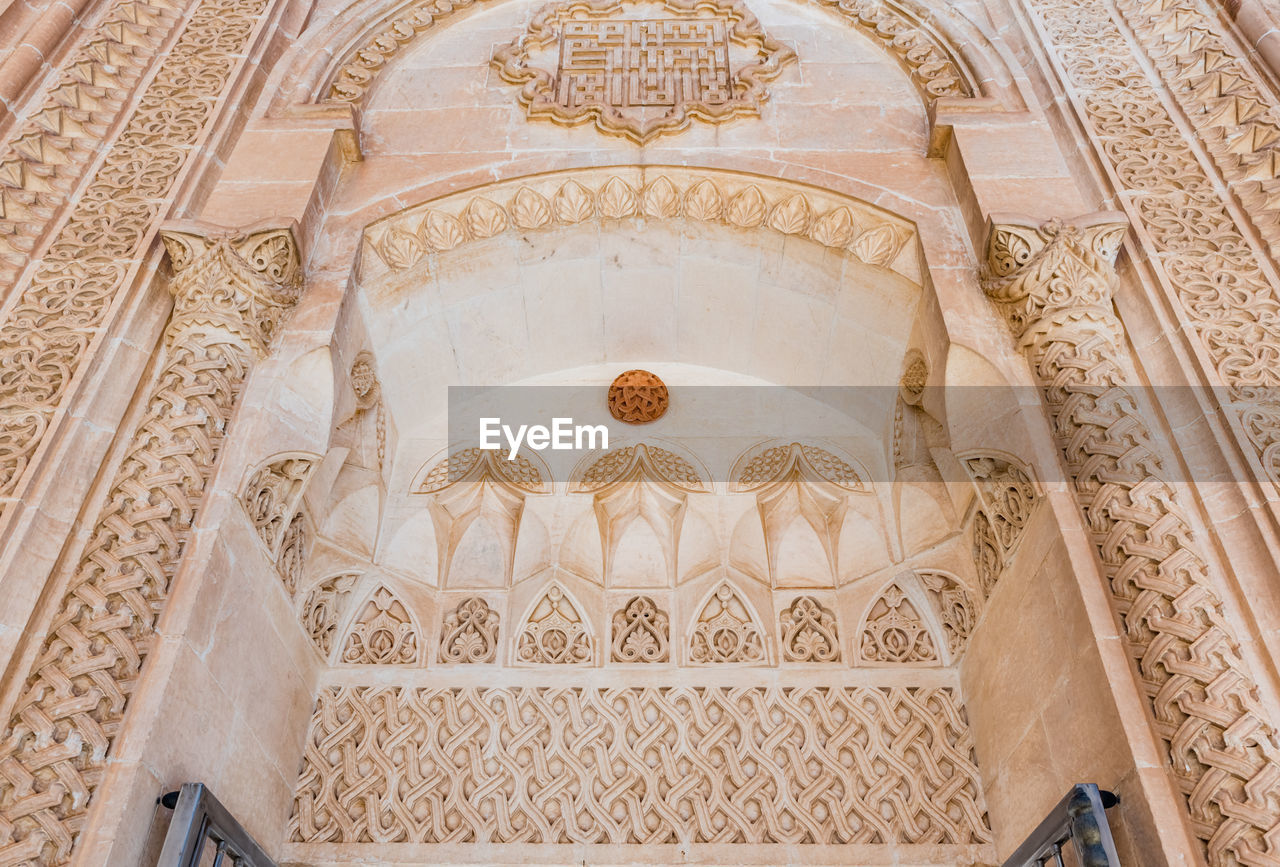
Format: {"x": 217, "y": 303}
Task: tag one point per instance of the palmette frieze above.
{"x": 1203, "y": 698}
{"x": 575, "y": 765}
{"x": 53, "y": 752}
{"x": 407, "y": 240}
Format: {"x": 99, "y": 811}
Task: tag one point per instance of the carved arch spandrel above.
{"x": 921, "y": 617}
{"x": 727, "y": 630}
{"x": 555, "y": 630}
{"x": 944, "y": 53}
{"x": 382, "y": 630}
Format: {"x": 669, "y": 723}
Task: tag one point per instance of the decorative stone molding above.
{"x": 554, "y": 632}
{"x": 470, "y": 632}
{"x": 641, "y": 632}
{"x": 1053, "y": 283}
{"x": 1220, "y": 281}
{"x": 894, "y": 632}
{"x": 383, "y": 634}
{"x": 324, "y": 607}
{"x": 47, "y": 330}
{"x": 727, "y": 630}
{"x": 293, "y": 552}
{"x": 810, "y": 462}
{"x": 272, "y": 496}
{"x": 955, "y": 607}
{"x": 633, "y": 462}
{"x": 468, "y": 465}
{"x": 49, "y": 150}
{"x": 642, "y": 68}
{"x": 1007, "y": 495}
{"x": 933, "y": 64}
{"x": 987, "y": 559}
{"x": 915, "y": 373}
{"x": 230, "y": 291}
{"x": 404, "y": 240}
{"x": 809, "y": 632}
{"x": 638, "y": 397}
{"x": 887, "y": 765}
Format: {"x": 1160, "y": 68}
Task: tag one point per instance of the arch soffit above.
{"x": 944, "y": 53}
{"x": 867, "y": 234}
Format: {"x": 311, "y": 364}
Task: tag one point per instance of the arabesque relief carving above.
{"x": 809, "y": 632}
{"x": 48, "y": 151}
{"x": 894, "y": 631}
{"x": 272, "y": 497}
{"x": 230, "y": 293}
{"x": 554, "y": 633}
{"x": 293, "y": 552}
{"x": 48, "y": 329}
{"x": 727, "y": 630}
{"x": 571, "y": 765}
{"x": 1006, "y": 499}
{"x": 470, "y": 632}
{"x": 383, "y": 634}
{"x": 1219, "y": 279}
{"x": 934, "y": 67}
{"x": 871, "y": 236}
{"x": 642, "y": 68}
{"x": 956, "y": 607}
{"x": 637, "y": 397}
{"x": 1053, "y": 283}
{"x": 323, "y": 608}
{"x": 641, "y": 632}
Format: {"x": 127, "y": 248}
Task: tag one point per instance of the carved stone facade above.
{"x": 850, "y": 613}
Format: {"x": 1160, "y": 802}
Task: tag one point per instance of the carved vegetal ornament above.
{"x": 641, "y": 68}
{"x": 1053, "y": 283}
{"x": 231, "y": 291}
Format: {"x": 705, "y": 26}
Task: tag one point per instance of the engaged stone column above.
{"x": 1053, "y": 283}
{"x": 231, "y": 291}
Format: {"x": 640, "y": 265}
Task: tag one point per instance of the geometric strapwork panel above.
{"x": 641, "y": 765}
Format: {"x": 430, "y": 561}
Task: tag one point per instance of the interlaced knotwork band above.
{"x": 1054, "y": 284}
{"x": 230, "y": 293}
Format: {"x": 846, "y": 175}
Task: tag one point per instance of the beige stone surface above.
{"x": 234, "y": 553}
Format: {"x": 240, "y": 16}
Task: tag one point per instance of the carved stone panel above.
{"x": 809, "y": 632}
{"x": 641, "y": 632}
{"x": 470, "y": 632}
{"x": 323, "y": 607}
{"x": 574, "y": 765}
{"x": 727, "y": 630}
{"x": 554, "y": 632}
{"x": 384, "y": 634}
{"x": 895, "y": 632}
{"x": 640, "y": 69}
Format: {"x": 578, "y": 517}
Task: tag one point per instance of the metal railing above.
{"x": 202, "y": 833}
{"x": 1080, "y": 819}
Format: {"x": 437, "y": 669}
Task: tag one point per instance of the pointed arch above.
{"x": 383, "y": 631}
{"x": 554, "y": 631}
{"x": 727, "y": 629}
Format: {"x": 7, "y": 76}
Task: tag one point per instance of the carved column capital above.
{"x": 241, "y": 281}
{"x": 1042, "y": 275}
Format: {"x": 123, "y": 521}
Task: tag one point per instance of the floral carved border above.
{"x": 48, "y": 330}
{"x": 1219, "y": 279}
{"x": 872, "y": 236}
{"x": 537, "y": 93}
{"x": 932, "y": 64}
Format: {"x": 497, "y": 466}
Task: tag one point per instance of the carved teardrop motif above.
{"x": 530, "y": 209}
{"x": 703, "y": 202}
{"x": 791, "y": 216}
{"x": 572, "y": 203}
{"x": 878, "y": 246}
{"x": 747, "y": 208}
{"x": 484, "y": 219}
{"x": 661, "y": 199}
{"x": 834, "y": 228}
{"x": 399, "y": 249}
{"x": 617, "y": 199}
{"x": 442, "y": 231}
